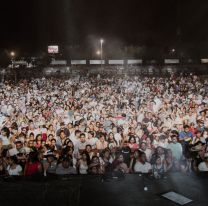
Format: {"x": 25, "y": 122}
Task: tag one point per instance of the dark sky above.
{"x": 30, "y": 25}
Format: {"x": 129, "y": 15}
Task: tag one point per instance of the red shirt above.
{"x": 32, "y": 168}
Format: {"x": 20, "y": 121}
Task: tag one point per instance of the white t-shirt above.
{"x": 148, "y": 153}
{"x": 15, "y": 171}
{"x": 92, "y": 142}
{"x": 118, "y": 138}
{"x": 143, "y": 168}
{"x": 5, "y": 140}
{"x": 203, "y": 167}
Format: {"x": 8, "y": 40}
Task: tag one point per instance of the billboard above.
{"x": 58, "y": 62}
{"x": 53, "y": 49}
{"x": 78, "y": 62}
{"x": 204, "y": 61}
{"x": 172, "y": 61}
{"x": 134, "y": 61}
{"x": 97, "y": 62}
{"x": 116, "y": 61}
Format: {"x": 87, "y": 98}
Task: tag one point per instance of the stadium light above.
{"x": 98, "y": 52}
{"x": 12, "y": 54}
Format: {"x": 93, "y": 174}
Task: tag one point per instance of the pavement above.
{"x": 94, "y": 191}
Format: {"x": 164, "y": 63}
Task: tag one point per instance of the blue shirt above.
{"x": 184, "y": 134}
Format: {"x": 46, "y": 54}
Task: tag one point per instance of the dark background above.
{"x": 137, "y": 28}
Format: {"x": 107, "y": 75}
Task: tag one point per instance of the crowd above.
{"x": 102, "y": 125}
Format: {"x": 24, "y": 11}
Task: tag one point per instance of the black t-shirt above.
{"x": 126, "y": 151}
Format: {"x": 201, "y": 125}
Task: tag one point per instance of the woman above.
{"x": 149, "y": 143}
{"x": 13, "y": 168}
{"x": 51, "y": 130}
{"x": 83, "y": 163}
{"x": 156, "y": 140}
{"x": 33, "y": 165}
{"x": 119, "y": 165}
{"x": 106, "y": 160}
{"x": 38, "y": 141}
{"x": 95, "y": 167}
{"x": 111, "y": 140}
{"x": 4, "y": 137}
{"x": 133, "y": 160}
{"x": 203, "y": 166}
{"x": 132, "y": 143}
{"x": 159, "y": 168}
{"x": 101, "y": 144}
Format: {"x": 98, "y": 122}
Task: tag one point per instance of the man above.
{"x": 63, "y": 128}
{"x": 176, "y": 148}
{"x": 61, "y": 139}
{"x": 65, "y": 167}
{"x": 185, "y": 138}
{"x": 74, "y": 137}
{"x": 18, "y": 149}
{"x": 186, "y": 135}
{"x": 126, "y": 152}
{"x": 81, "y": 143}
{"x": 142, "y": 165}
{"x": 144, "y": 149}
{"x": 91, "y": 139}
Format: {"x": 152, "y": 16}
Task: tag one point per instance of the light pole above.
{"x": 101, "y": 52}
{"x": 12, "y": 54}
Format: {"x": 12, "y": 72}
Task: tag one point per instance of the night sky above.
{"x": 31, "y": 25}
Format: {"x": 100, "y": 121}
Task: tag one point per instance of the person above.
{"x": 33, "y": 166}
{"x": 49, "y": 164}
{"x": 132, "y": 143}
{"x": 141, "y": 165}
{"x": 185, "y": 137}
{"x": 95, "y": 166}
{"x": 65, "y": 167}
{"x": 111, "y": 140}
{"x": 203, "y": 166}
{"x": 148, "y": 152}
{"x": 63, "y": 129}
{"x": 150, "y": 109}
{"x": 119, "y": 164}
{"x": 61, "y": 139}
{"x": 83, "y": 163}
{"x": 159, "y": 168}
{"x": 101, "y": 144}
{"x": 13, "y": 168}
{"x": 17, "y": 149}
{"x": 134, "y": 158}
{"x": 81, "y": 143}
{"x": 91, "y": 139}
{"x": 177, "y": 151}
{"x": 4, "y": 137}
{"x": 126, "y": 152}
{"x": 106, "y": 160}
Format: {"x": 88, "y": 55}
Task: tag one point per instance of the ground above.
{"x": 91, "y": 190}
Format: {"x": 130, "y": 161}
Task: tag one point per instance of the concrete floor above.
{"x": 90, "y": 190}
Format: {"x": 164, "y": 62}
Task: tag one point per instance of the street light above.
{"x": 12, "y": 54}
{"x": 101, "y": 51}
